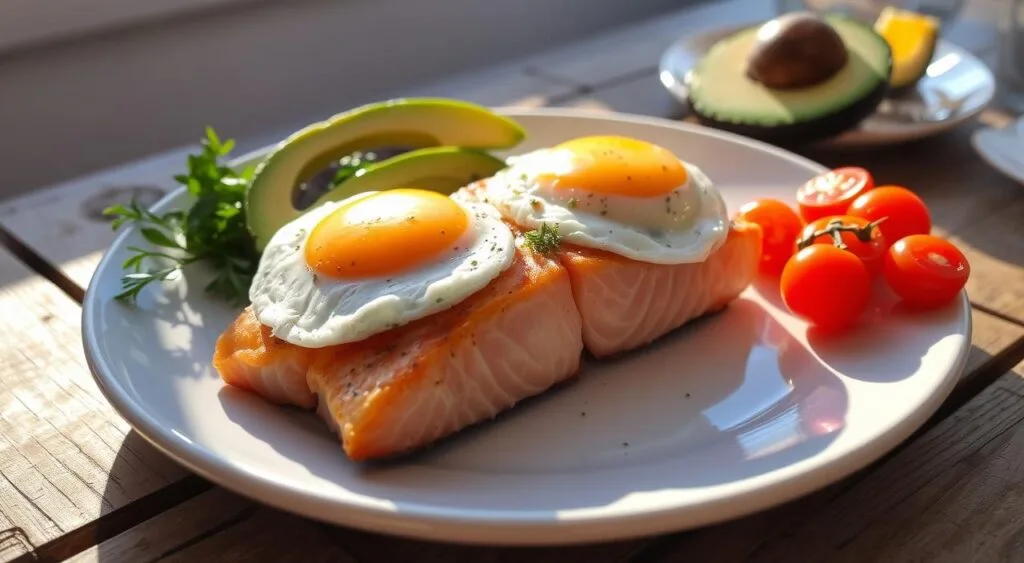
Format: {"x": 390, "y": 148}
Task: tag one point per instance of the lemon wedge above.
{"x": 912, "y": 37}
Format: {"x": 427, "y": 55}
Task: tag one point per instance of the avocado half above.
{"x": 721, "y": 94}
{"x": 416, "y": 123}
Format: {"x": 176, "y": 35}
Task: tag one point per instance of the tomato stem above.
{"x": 835, "y": 229}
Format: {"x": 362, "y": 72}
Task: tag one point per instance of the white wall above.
{"x": 70, "y": 108}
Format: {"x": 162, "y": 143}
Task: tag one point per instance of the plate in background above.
{"x": 1003, "y": 148}
{"x": 957, "y": 87}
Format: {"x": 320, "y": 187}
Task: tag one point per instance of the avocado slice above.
{"x": 408, "y": 122}
{"x": 440, "y": 169}
{"x": 729, "y": 88}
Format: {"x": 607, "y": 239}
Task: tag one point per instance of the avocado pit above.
{"x": 796, "y": 50}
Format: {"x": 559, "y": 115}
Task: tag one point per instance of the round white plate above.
{"x": 734, "y": 413}
{"x": 957, "y": 87}
{"x": 1003, "y": 148}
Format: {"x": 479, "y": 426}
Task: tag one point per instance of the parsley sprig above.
{"x": 212, "y": 231}
{"x": 544, "y": 239}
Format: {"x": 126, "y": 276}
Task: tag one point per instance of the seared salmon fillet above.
{"x": 410, "y": 386}
{"x": 626, "y": 304}
{"x": 247, "y": 356}
{"x": 407, "y": 387}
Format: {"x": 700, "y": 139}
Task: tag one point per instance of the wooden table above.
{"x": 78, "y": 483}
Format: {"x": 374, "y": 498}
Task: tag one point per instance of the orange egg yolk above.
{"x": 610, "y": 165}
{"x": 385, "y": 233}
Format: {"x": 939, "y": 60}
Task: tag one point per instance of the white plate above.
{"x": 1003, "y": 148}
{"x": 955, "y": 81}
{"x": 735, "y": 413}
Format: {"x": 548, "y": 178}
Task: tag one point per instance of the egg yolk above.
{"x": 385, "y": 233}
{"x": 622, "y": 166}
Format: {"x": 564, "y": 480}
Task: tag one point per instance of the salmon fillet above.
{"x": 626, "y": 304}
{"x": 247, "y": 356}
{"x": 407, "y": 387}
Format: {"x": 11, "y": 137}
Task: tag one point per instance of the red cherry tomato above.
{"x": 926, "y": 271}
{"x": 870, "y": 252}
{"x": 780, "y": 227}
{"x": 905, "y": 214}
{"x": 832, "y": 193}
{"x": 826, "y": 286}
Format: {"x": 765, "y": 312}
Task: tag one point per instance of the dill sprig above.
{"x": 544, "y": 239}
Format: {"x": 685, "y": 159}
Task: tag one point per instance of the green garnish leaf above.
{"x": 159, "y": 238}
{"x": 545, "y": 239}
{"x": 213, "y": 231}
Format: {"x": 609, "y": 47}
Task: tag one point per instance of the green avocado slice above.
{"x": 722, "y": 95}
{"x": 440, "y": 169}
{"x": 407, "y": 122}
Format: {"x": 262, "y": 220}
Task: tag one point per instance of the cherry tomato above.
{"x": 926, "y": 271}
{"x": 832, "y": 193}
{"x": 870, "y": 252}
{"x": 905, "y": 214}
{"x": 780, "y": 227}
{"x": 826, "y": 286}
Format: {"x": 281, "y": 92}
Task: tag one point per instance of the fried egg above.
{"x": 346, "y": 270}
{"x": 617, "y": 194}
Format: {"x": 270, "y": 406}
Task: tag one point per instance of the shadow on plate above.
{"x": 887, "y": 329}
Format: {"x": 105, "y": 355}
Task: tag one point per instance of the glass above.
{"x": 1010, "y": 58}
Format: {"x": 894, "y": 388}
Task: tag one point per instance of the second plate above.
{"x": 956, "y": 87}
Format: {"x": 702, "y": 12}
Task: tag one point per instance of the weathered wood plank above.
{"x": 995, "y": 247}
{"x": 643, "y": 95}
{"x": 168, "y": 532}
{"x": 65, "y": 225}
{"x": 218, "y": 525}
{"x": 953, "y": 494}
{"x": 376, "y": 548}
{"x": 66, "y": 457}
{"x": 991, "y": 337}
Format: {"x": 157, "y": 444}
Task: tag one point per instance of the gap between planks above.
{"x": 41, "y": 266}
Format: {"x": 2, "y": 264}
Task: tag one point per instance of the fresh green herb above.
{"x": 212, "y": 231}
{"x": 545, "y": 239}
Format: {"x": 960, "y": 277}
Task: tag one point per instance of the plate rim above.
{"x": 851, "y": 139}
{"x": 474, "y": 526}
{"x": 997, "y": 163}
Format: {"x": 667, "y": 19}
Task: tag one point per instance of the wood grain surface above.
{"x": 67, "y": 459}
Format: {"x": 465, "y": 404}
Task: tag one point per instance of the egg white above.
{"x": 684, "y": 226}
{"x": 312, "y": 310}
